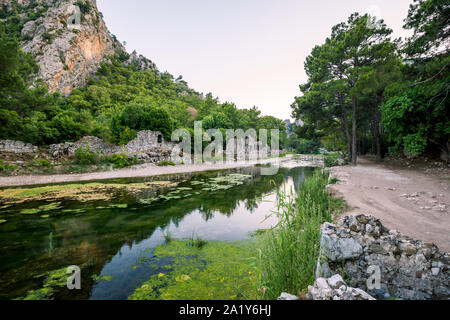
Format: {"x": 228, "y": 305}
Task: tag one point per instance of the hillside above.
{"x": 66, "y": 80}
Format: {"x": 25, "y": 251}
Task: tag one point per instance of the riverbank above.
{"x": 413, "y": 198}
{"x": 144, "y": 170}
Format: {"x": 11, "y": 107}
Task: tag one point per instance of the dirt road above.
{"x": 414, "y": 201}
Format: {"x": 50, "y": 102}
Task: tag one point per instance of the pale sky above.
{"x": 250, "y": 52}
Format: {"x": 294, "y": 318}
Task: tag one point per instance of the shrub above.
{"x": 330, "y": 162}
{"x": 39, "y": 163}
{"x": 85, "y": 156}
{"x": 140, "y": 117}
{"x": 166, "y": 163}
{"x": 6, "y": 168}
{"x": 122, "y": 160}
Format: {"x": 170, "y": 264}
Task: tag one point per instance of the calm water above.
{"x": 118, "y": 242}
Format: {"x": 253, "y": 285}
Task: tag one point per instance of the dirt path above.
{"x": 415, "y": 201}
{"x": 145, "y": 170}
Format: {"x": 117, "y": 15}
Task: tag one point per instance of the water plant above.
{"x": 216, "y": 271}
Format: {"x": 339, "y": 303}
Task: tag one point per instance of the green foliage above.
{"x": 429, "y": 20}
{"x": 289, "y": 252}
{"x": 141, "y": 117}
{"x": 85, "y": 156}
{"x": 303, "y": 146}
{"x": 417, "y": 117}
{"x": 7, "y": 168}
{"x": 85, "y": 6}
{"x": 122, "y": 160}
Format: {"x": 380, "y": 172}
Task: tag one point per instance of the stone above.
{"x": 336, "y": 281}
{"x": 338, "y": 291}
{"x": 409, "y": 249}
{"x": 338, "y": 249}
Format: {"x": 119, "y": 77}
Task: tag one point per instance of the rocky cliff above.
{"x": 68, "y": 38}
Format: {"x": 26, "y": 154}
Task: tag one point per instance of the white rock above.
{"x": 336, "y": 281}
{"x": 287, "y": 296}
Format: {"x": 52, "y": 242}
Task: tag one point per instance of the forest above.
{"x": 367, "y": 92}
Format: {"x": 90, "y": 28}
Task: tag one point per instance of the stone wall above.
{"x": 410, "y": 269}
{"x": 16, "y": 147}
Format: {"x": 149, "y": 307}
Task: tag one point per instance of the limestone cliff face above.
{"x": 69, "y": 40}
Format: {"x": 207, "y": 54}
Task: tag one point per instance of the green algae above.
{"x": 44, "y": 208}
{"x": 40, "y": 294}
{"x": 53, "y": 279}
{"x": 118, "y": 206}
{"x": 81, "y": 192}
{"x": 2, "y": 221}
{"x": 216, "y": 271}
{"x": 106, "y": 278}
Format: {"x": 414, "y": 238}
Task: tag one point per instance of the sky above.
{"x": 250, "y": 52}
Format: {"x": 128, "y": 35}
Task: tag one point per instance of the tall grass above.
{"x": 289, "y": 252}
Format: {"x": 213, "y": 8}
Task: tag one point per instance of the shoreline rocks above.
{"x": 408, "y": 269}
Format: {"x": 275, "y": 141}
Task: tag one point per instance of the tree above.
{"x": 416, "y": 115}
{"x": 338, "y": 71}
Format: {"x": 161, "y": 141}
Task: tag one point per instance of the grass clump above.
{"x": 85, "y": 156}
{"x": 7, "y": 168}
{"x": 288, "y": 253}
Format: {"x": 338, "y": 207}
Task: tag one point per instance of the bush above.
{"x": 330, "y": 162}
{"x": 166, "y": 163}
{"x": 6, "y": 168}
{"x": 122, "y": 160}
{"x": 140, "y": 117}
{"x": 39, "y": 163}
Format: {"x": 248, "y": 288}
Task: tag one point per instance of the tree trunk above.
{"x": 346, "y": 129}
{"x": 354, "y": 133}
{"x": 376, "y": 132}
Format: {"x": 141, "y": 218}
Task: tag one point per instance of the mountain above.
{"x": 68, "y": 39}
{"x": 106, "y": 92}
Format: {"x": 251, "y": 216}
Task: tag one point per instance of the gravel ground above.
{"x": 414, "y": 200}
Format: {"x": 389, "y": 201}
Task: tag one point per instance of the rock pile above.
{"x": 408, "y": 269}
